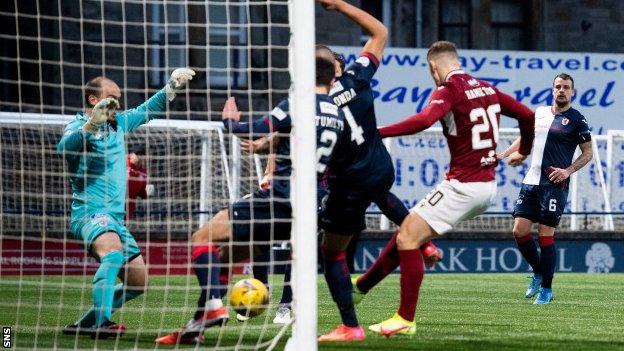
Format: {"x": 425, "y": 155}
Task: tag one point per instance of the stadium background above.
{"x": 572, "y": 26}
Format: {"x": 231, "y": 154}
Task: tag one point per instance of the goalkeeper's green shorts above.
{"x": 88, "y": 228}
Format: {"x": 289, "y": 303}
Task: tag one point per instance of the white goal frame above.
{"x": 231, "y": 169}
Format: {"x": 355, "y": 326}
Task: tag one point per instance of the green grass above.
{"x": 455, "y": 312}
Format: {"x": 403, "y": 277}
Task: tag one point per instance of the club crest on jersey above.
{"x": 278, "y": 113}
{"x": 565, "y": 121}
{"x": 100, "y": 219}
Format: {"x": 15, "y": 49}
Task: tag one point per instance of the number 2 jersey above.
{"x": 469, "y": 111}
{"x": 329, "y": 128}
{"x": 365, "y": 161}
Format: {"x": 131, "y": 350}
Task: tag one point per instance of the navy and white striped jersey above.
{"x": 556, "y": 138}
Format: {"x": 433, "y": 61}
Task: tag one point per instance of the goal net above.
{"x": 193, "y": 167}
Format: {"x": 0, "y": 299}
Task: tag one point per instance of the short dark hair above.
{"x": 340, "y": 59}
{"x": 93, "y": 87}
{"x": 564, "y": 76}
{"x": 337, "y": 56}
{"x": 325, "y": 71}
{"x": 441, "y": 47}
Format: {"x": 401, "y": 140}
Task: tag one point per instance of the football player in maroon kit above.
{"x": 469, "y": 110}
{"x": 137, "y": 181}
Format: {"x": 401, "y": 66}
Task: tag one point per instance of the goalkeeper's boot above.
{"x": 431, "y": 254}
{"x": 356, "y": 294}
{"x": 107, "y": 330}
{"x": 283, "y": 315}
{"x": 74, "y": 329}
{"x": 344, "y": 333}
{"x": 534, "y": 286}
{"x": 544, "y": 296}
{"x": 394, "y": 325}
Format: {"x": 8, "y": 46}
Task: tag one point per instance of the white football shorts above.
{"x": 453, "y": 201}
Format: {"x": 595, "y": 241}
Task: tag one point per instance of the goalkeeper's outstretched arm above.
{"x": 157, "y": 104}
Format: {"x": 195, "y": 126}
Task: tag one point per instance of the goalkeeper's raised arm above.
{"x": 94, "y": 147}
{"x": 102, "y": 96}
{"x": 157, "y": 104}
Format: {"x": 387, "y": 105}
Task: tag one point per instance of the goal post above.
{"x": 303, "y": 195}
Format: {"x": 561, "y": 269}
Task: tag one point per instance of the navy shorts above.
{"x": 543, "y": 204}
{"x": 259, "y": 217}
{"x": 344, "y": 211}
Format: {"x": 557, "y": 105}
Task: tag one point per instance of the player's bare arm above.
{"x": 265, "y": 183}
{"x": 230, "y": 110}
{"x": 558, "y": 175}
{"x": 264, "y": 145}
{"x": 510, "y": 150}
{"x": 378, "y": 32}
{"x": 515, "y": 157}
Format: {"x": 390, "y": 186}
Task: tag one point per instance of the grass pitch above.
{"x": 455, "y": 312}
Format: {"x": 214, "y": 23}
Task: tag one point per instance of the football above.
{"x": 249, "y": 297}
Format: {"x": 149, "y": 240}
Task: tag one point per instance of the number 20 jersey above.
{"x": 471, "y": 125}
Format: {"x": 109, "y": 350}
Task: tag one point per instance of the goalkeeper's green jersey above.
{"x": 97, "y": 161}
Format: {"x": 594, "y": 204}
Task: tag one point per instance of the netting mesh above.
{"x": 49, "y": 49}
{"x": 36, "y": 192}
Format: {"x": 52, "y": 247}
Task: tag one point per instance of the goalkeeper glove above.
{"x": 100, "y": 113}
{"x": 178, "y": 80}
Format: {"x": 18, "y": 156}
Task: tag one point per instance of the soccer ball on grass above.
{"x": 249, "y": 297}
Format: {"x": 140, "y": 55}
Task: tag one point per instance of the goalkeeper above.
{"x": 93, "y": 146}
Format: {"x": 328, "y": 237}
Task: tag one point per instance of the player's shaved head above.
{"x": 325, "y": 71}
{"x": 100, "y": 87}
{"x": 442, "y": 49}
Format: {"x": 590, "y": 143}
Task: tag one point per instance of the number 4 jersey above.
{"x": 366, "y": 162}
{"x": 469, "y": 110}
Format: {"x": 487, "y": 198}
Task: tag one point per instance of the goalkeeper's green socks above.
{"x": 104, "y": 286}
{"x": 121, "y": 296}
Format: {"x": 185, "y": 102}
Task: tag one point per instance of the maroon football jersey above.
{"x": 469, "y": 110}
{"x": 137, "y": 182}
{"x": 471, "y": 127}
